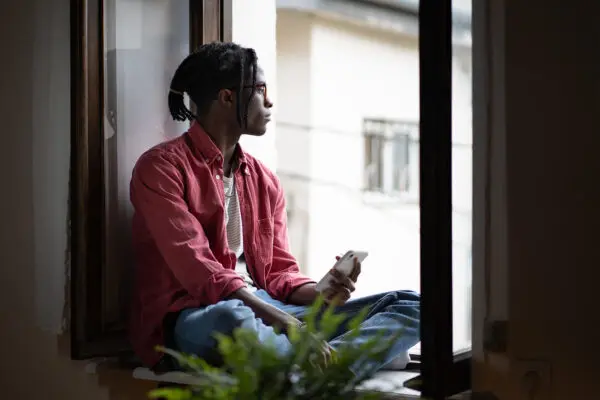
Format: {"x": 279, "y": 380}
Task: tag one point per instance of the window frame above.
{"x": 442, "y": 372}
{"x": 90, "y": 332}
{"x": 212, "y": 20}
{"x": 382, "y": 142}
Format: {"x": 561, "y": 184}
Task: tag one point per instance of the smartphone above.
{"x": 345, "y": 265}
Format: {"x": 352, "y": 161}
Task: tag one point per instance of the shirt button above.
{"x": 218, "y": 176}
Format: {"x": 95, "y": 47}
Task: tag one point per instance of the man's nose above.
{"x": 268, "y": 102}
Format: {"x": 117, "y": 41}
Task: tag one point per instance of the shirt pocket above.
{"x": 263, "y": 241}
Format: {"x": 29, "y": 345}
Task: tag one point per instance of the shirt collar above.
{"x": 211, "y": 153}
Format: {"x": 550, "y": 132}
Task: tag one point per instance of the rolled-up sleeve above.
{"x": 157, "y": 195}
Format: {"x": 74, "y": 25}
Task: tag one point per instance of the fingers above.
{"x": 322, "y": 358}
{"x": 343, "y": 280}
{"x": 336, "y": 297}
{"x": 355, "y": 270}
{"x": 342, "y": 291}
{"x": 341, "y": 286}
{"x": 326, "y": 353}
{"x": 323, "y": 354}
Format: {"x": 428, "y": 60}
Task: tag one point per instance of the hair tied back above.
{"x": 177, "y": 107}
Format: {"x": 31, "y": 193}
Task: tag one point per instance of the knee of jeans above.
{"x": 228, "y": 316}
{"x": 407, "y": 295}
{"x": 410, "y": 310}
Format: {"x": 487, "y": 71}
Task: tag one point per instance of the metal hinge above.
{"x": 495, "y": 336}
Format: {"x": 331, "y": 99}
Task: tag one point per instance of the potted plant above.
{"x": 252, "y": 370}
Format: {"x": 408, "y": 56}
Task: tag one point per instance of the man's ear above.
{"x": 226, "y": 97}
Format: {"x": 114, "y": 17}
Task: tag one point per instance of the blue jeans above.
{"x": 388, "y": 312}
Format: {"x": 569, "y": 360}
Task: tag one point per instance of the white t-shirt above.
{"x": 233, "y": 223}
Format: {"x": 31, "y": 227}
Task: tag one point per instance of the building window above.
{"x": 389, "y": 158}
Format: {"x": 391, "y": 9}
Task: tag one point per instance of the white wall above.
{"x": 360, "y": 73}
{"x": 254, "y": 26}
{"x": 293, "y": 136}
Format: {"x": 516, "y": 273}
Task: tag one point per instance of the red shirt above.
{"x": 180, "y": 240}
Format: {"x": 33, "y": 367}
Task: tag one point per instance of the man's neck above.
{"x": 229, "y": 158}
{"x": 226, "y": 141}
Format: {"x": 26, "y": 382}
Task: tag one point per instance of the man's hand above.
{"x": 325, "y": 353}
{"x": 341, "y": 286}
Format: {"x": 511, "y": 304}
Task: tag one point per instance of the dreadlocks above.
{"x": 202, "y": 74}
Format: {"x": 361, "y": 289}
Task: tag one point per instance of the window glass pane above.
{"x": 462, "y": 173}
{"x": 348, "y": 144}
{"x": 144, "y": 42}
{"x": 347, "y": 139}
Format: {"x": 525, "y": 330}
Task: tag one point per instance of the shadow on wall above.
{"x": 35, "y": 115}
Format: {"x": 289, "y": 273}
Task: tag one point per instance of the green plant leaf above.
{"x": 253, "y": 370}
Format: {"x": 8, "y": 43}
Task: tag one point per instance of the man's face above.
{"x": 259, "y": 105}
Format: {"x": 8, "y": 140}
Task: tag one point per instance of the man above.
{"x": 202, "y": 206}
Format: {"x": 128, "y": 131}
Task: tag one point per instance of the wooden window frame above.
{"x": 91, "y": 334}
